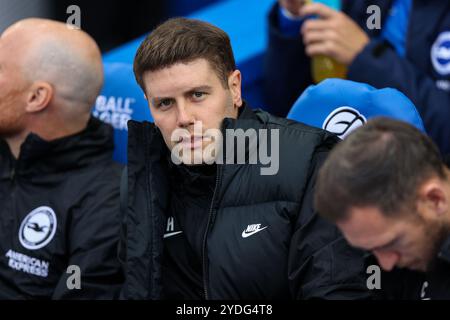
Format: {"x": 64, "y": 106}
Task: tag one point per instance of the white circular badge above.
{"x": 38, "y": 228}
{"x": 343, "y": 120}
{"x": 440, "y": 54}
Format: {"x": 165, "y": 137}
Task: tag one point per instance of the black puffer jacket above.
{"x": 59, "y": 207}
{"x": 297, "y": 255}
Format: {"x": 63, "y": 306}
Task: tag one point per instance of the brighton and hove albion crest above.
{"x": 38, "y": 228}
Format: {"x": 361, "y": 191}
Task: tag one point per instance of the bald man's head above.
{"x": 68, "y": 59}
{"x": 50, "y": 76}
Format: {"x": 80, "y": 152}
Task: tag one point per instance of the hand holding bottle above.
{"x": 333, "y": 34}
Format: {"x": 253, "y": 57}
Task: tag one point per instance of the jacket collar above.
{"x": 246, "y": 112}
{"x": 38, "y": 156}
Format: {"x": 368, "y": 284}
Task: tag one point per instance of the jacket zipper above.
{"x": 12, "y": 175}
{"x": 12, "y": 178}
{"x": 12, "y": 195}
{"x": 209, "y": 224}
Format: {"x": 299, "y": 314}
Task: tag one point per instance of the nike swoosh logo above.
{"x": 246, "y": 235}
{"x": 168, "y": 235}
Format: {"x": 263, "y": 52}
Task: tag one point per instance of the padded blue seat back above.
{"x": 340, "y": 106}
{"x": 121, "y": 100}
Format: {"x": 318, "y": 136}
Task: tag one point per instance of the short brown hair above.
{"x": 381, "y": 164}
{"x": 182, "y": 40}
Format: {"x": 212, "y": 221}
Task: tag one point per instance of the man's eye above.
{"x": 164, "y": 103}
{"x": 198, "y": 95}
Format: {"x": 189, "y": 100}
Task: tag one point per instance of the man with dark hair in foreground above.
{"x": 388, "y": 190}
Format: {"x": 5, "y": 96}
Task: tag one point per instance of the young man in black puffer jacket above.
{"x": 205, "y": 221}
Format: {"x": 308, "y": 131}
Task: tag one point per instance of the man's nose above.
{"x": 387, "y": 259}
{"x": 184, "y": 117}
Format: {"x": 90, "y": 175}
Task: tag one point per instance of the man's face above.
{"x": 12, "y": 88}
{"x": 404, "y": 241}
{"x": 188, "y": 94}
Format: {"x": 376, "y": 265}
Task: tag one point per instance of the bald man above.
{"x": 59, "y": 188}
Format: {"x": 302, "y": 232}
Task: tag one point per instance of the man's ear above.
{"x": 433, "y": 199}
{"x": 235, "y": 83}
{"x": 39, "y": 96}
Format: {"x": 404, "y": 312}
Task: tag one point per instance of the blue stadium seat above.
{"x": 121, "y": 99}
{"x": 340, "y": 106}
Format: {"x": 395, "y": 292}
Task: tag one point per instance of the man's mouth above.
{"x": 192, "y": 142}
